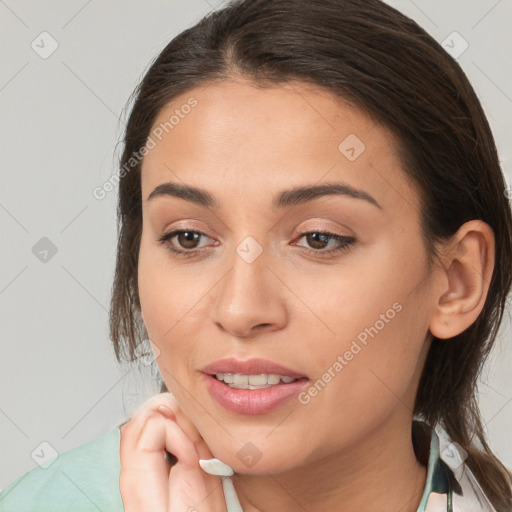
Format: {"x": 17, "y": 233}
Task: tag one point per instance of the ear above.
{"x": 467, "y": 270}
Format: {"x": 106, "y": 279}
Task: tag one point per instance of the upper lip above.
{"x": 250, "y": 367}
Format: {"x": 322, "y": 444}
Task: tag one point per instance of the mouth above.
{"x": 255, "y": 386}
{"x": 257, "y": 381}
{"x": 253, "y": 368}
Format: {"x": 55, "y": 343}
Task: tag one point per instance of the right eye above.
{"x": 187, "y": 239}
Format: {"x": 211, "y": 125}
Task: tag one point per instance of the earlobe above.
{"x": 467, "y": 273}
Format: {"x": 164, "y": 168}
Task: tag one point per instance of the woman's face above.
{"x": 258, "y": 279}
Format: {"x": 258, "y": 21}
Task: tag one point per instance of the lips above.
{"x": 240, "y": 400}
{"x": 250, "y": 367}
{"x": 249, "y": 402}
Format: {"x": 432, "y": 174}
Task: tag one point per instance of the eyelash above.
{"x": 346, "y": 242}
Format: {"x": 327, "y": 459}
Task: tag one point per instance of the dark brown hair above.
{"x": 383, "y": 63}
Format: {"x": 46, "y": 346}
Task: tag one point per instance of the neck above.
{"x": 379, "y": 472}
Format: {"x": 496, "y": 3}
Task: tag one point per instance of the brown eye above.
{"x": 183, "y": 242}
{"x": 188, "y": 239}
{"x": 317, "y": 240}
{"x": 318, "y": 243}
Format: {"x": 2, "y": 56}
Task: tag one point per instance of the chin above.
{"x": 249, "y": 460}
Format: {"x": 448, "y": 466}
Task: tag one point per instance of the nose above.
{"x": 250, "y": 299}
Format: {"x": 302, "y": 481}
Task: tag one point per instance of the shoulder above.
{"x": 83, "y": 479}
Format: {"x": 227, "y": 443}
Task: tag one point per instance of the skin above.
{"x": 244, "y": 145}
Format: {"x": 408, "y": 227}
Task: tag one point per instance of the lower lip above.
{"x": 253, "y": 401}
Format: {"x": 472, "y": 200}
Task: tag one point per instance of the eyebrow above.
{"x": 286, "y": 198}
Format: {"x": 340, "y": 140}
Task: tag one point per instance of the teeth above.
{"x": 273, "y": 379}
{"x": 238, "y": 380}
{"x": 258, "y": 380}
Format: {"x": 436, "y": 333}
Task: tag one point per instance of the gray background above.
{"x": 60, "y": 126}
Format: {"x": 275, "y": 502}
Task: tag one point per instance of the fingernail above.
{"x": 165, "y": 411}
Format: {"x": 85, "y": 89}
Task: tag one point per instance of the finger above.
{"x": 152, "y": 404}
{"x": 167, "y": 400}
{"x": 208, "y": 486}
{"x": 145, "y": 472}
{"x": 187, "y": 484}
{"x": 190, "y": 429}
{"x": 146, "y": 481}
{"x": 175, "y": 441}
{"x": 191, "y": 489}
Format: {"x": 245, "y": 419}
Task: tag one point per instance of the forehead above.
{"x": 244, "y": 137}
{"x": 235, "y": 110}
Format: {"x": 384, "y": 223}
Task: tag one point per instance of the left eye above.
{"x": 319, "y": 240}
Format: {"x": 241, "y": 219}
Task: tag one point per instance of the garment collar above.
{"x": 440, "y": 478}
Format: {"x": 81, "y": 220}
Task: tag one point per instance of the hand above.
{"x": 148, "y": 482}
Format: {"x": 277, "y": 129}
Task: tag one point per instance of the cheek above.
{"x": 377, "y": 291}
{"x": 167, "y": 290}
{"x": 374, "y": 322}
{"x": 167, "y": 296}
{"x": 361, "y": 380}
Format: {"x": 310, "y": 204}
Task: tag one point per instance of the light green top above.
{"x": 83, "y": 479}
{"x": 86, "y": 479}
